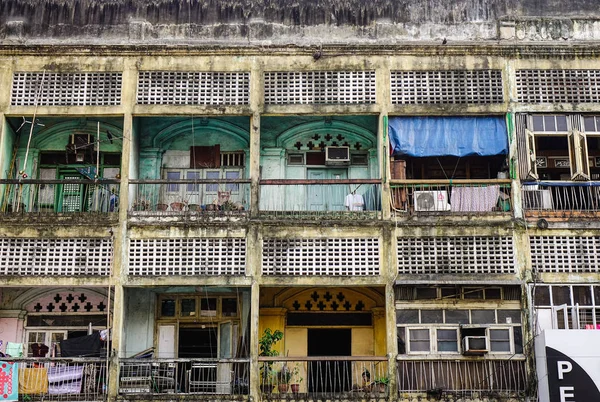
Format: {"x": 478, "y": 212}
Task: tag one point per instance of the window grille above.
{"x": 233, "y": 159}
{"x": 356, "y": 256}
{"x": 456, "y": 255}
{"x": 59, "y": 257}
{"x": 447, "y": 87}
{"x": 558, "y": 86}
{"x": 187, "y": 256}
{"x": 324, "y": 87}
{"x": 193, "y": 88}
{"x": 66, "y": 89}
{"x": 565, "y": 253}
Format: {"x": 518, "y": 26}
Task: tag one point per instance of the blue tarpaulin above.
{"x": 448, "y": 136}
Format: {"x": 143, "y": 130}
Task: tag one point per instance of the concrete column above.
{"x": 389, "y": 271}
{"x": 256, "y": 105}
{"x": 382, "y": 76}
{"x": 254, "y": 366}
{"x": 5, "y": 146}
{"x": 119, "y": 274}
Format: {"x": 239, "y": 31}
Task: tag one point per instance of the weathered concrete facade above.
{"x": 175, "y": 246}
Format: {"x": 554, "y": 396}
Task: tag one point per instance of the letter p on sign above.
{"x": 563, "y": 367}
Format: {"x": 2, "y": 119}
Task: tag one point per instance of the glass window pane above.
{"x": 541, "y": 295}
{"x": 213, "y": 175}
{"x": 193, "y": 176}
{"x": 538, "y": 123}
{"x": 589, "y": 123}
{"x": 549, "y": 123}
{"x": 447, "y": 340}
{"x": 426, "y": 293}
{"x": 493, "y": 294}
{"x": 457, "y": 316}
{"x": 401, "y": 338}
{"x": 208, "y": 307}
{"x": 582, "y": 295}
{"x": 167, "y": 308}
{"x": 513, "y": 315}
{"x": 229, "y": 307}
{"x": 232, "y": 175}
{"x": 171, "y": 187}
{"x": 518, "y": 338}
{"x": 499, "y": 340}
{"x": 561, "y": 123}
{"x": 483, "y": 316}
{"x": 419, "y": 340}
{"x": 597, "y": 295}
{"x": 225, "y": 340}
{"x": 432, "y": 316}
{"x": 188, "y": 307}
{"x": 473, "y": 293}
{"x": 407, "y": 316}
{"x": 450, "y": 293}
{"x": 561, "y": 295}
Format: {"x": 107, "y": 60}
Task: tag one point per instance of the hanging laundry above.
{"x": 9, "y": 385}
{"x": 354, "y": 202}
{"x": 65, "y": 379}
{"x": 14, "y": 349}
{"x": 39, "y": 350}
{"x": 84, "y": 346}
{"x": 33, "y": 381}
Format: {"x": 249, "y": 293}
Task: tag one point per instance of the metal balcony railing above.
{"x": 462, "y": 377}
{"x": 184, "y": 376}
{"x": 451, "y": 196}
{"x": 314, "y": 199}
{"x": 323, "y": 378}
{"x": 563, "y": 196}
{"x": 177, "y": 197}
{"x": 59, "y": 196}
{"x": 60, "y": 379}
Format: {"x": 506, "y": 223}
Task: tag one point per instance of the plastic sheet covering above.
{"x": 448, "y": 136}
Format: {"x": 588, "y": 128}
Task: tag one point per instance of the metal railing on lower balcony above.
{"x": 58, "y": 379}
{"x": 59, "y": 196}
{"x": 314, "y": 199}
{"x": 561, "y": 196}
{"x": 462, "y": 377}
{"x": 323, "y": 378}
{"x": 184, "y": 376}
{"x": 191, "y": 197}
{"x": 451, "y": 196}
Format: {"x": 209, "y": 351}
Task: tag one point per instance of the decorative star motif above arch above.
{"x": 321, "y": 134}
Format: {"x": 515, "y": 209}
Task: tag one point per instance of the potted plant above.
{"x": 382, "y": 384}
{"x": 283, "y": 379}
{"x": 296, "y": 379}
{"x": 266, "y": 342}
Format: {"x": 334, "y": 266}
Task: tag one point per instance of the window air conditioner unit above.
{"x": 475, "y": 345}
{"x": 537, "y": 199}
{"x": 431, "y": 200}
{"x": 337, "y": 155}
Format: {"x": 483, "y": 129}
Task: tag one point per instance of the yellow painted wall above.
{"x": 362, "y": 342}
{"x": 380, "y": 331}
{"x": 273, "y": 318}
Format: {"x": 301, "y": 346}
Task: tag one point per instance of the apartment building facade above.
{"x": 235, "y": 202}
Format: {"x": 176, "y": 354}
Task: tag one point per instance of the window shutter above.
{"x": 580, "y": 169}
{"x": 205, "y": 157}
{"x": 531, "y": 156}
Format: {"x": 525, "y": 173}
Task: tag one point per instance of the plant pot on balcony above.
{"x": 266, "y": 388}
{"x": 295, "y": 388}
{"x": 194, "y": 208}
{"x": 283, "y": 388}
{"x": 162, "y": 207}
{"x": 177, "y": 206}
